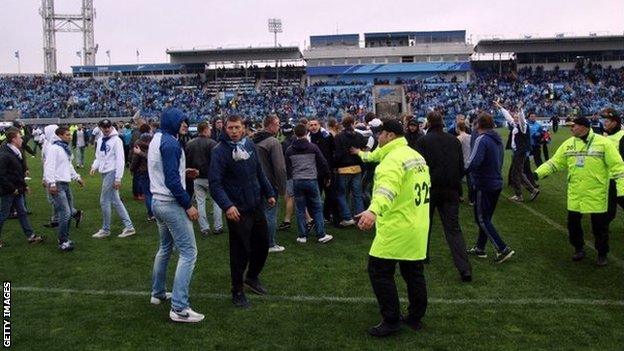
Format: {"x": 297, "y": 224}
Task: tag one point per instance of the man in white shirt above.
{"x": 79, "y": 141}
{"x": 110, "y": 163}
{"x": 58, "y": 172}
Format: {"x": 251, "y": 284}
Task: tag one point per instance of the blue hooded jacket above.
{"x": 238, "y": 183}
{"x": 486, "y": 161}
{"x": 166, "y": 161}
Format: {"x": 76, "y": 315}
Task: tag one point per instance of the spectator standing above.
{"x": 613, "y": 129}
{"x": 324, "y": 140}
{"x": 79, "y": 143}
{"x": 536, "y": 132}
{"x": 110, "y": 163}
{"x": 139, "y": 169}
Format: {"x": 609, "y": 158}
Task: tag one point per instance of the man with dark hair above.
{"x": 110, "y": 163}
{"x": 349, "y": 169}
{"x": 443, "y": 153}
{"x": 271, "y": 157}
{"x": 325, "y": 142}
{"x": 239, "y": 186}
{"x": 484, "y": 165}
{"x": 613, "y": 129}
{"x": 58, "y": 172}
{"x": 399, "y": 210}
{"x": 306, "y": 165}
{"x": 13, "y": 188}
{"x": 198, "y": 152}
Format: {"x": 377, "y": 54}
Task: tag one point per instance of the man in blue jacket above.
{"x": 173, "y": 211}
{"x": 484, "y": 165}
{"x": 239, "y": 186}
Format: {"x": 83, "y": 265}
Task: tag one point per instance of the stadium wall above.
{"x": 567, "y": 66}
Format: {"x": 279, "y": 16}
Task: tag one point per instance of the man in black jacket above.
{"x": 325, "y": 142}
{"x": 349, "y": 168}
{"x": 12, "y": 185}
{"x": 198, "y": 153}
{"x": 443, "y": 154}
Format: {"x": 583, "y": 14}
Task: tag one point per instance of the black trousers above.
{"x": 249, "y": 247}
{"x": 381, "y": 273}
{"x": 537, "y": 155}
{"x": 613, "y": 201}
{"x": 518, "y": 176}
{"x": 600, "y": 228}
{"x": 448, "y": 207}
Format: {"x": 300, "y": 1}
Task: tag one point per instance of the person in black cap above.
{"x": 591, "y": 160}
{"x": 613, "y": 129}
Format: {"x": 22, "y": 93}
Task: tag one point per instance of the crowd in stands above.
{"x": 582, "y": 91}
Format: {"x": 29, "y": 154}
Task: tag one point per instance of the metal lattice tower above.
{"x": 53, "y": 23}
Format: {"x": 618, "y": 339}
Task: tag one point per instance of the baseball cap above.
{"x": 612, "y": 114}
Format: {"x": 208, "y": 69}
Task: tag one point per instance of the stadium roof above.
{"x": 384, "y": 35}
{"x": 420, "y": 67}
{"x": 235, "y": 54}
{"x": 557, "y": 44}
{"x": 146, "y": 67}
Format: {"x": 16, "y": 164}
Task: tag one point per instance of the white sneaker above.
{"x": 187, "y": 315}
{"x": 325, "y": 238}
{"x": 158, "y": 300}
{"x": 101, "y": 234}
{"x": 127, "y": 232}
{"x": 516, "y": 198}
{"x": 302, "y": 240}
{"x": 276, "y": 248}
{"x": 344, "y": 223}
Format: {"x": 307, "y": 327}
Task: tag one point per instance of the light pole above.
{"x": 19, "y": 65}
{"x": 275, "y": 26}
{"x": 108, "y": 56}
{"x": 79, "y": 54}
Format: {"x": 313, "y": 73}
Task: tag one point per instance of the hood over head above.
{"x": 171, "y": 120}
{"x": 49, "y": 133}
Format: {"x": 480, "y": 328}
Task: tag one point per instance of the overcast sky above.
{"x": 152, "y": 26}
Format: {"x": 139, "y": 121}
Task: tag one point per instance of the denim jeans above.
{"x": 143, "y": 184}
{"x": 350, "y": 183}
{"x": 271, "y": 217}
{"x": 307, "y": 195}
{"x": 202, "y": 194}
{"x": 484, "y": 207}
{"x": 17, "y": 201}
{"x": 81, "y": 155}
{"x": 63, "y": 205}
{"x": 108, "y": 197}
{"x": 174, "y": 228}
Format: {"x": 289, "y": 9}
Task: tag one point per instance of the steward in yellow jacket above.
{"x": 592, "y": 160}
{"x": 400, "y": 209}
{"x": 613, "y": 131}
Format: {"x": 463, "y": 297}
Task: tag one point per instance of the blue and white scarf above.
{"x": 65, "y": 147}
{"x": 239, "y": 153}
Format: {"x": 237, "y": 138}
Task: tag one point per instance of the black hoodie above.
{"x": 343, "y": 142}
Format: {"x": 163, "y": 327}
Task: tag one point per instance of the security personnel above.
{"x": 591, "y": 160}
{"x": 400, "y": 210}
{"x": 613, "y": 130}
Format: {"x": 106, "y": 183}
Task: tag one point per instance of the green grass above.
{"x": 541, "y": 269}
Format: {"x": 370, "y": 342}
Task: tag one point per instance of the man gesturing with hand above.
{"x": 239, "y": 186}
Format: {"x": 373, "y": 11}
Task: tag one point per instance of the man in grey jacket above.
{"x": 198, "y": 153}
{"x": 271, "y": 158}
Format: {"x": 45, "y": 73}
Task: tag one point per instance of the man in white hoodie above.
{"x": 110, "y": 163}
{"x": 58, "y": 173}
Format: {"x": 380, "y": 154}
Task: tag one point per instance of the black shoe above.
{"x": 413, "y": 324}
{"x": 384, "y": 329}
{"x": 475, "y": 251}
{"x": 310, "y": 225}
{"x": 601, "y": 261}
{"x": 35, "y": 239}
{"x": 217, "y": 231}
{"x": 504, "y": 255}
{"x": 466, "y": 277}
{"x": 255, "y": 286}
{"x": 205, "y": 233}
{"x": 51, "y": 225}
{"x": 579, "y": 255}
{"x": 78, "y": 217}
{"x": 284, "y": 226}
{"x": 1, "y": 244}
{"x": 240, "y": 300}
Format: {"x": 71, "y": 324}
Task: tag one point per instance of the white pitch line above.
{"x": 337, "y": 299}
{"x": 563, "y": 229}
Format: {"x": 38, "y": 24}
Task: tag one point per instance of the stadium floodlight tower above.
{"x": 81, "y": 23}
{"x": 275, "y": 26}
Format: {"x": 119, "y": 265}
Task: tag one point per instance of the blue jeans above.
{"x": 484, "y": 207}
{"x": 17, "y": 201}
{"x": 350, "y": 183}
{"x": 174, "y": 228}
{"x": 108, "y": 197}
{"x": 307, "y": 195}
{"x": 63, "y": 205}
{"x": 202, "y": 193}
{"x": 271, "y": 217}
{"x": 81, "y": 155}
{"x": 143, "y": 184}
